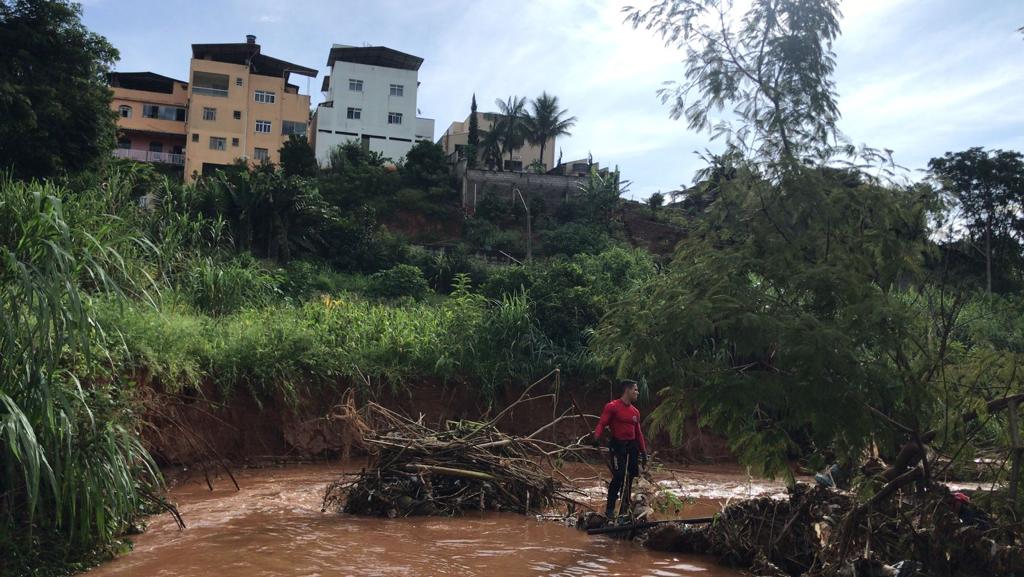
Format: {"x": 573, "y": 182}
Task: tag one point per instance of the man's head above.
{"x": 629, "y": 391}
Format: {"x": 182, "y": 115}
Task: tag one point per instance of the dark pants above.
{"x": 624, "y": 458}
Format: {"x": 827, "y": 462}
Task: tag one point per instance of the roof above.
{"x": 374, "y": 56}
{"x": 148, "y": 81}
{"x": 246, "y": 53}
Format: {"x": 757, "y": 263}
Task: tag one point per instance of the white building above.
{"x": 370, "y": 98}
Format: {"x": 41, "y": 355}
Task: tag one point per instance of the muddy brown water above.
{"x": 273, "y": 527}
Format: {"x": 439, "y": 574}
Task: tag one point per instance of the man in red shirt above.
{"x": 627, "y": 445}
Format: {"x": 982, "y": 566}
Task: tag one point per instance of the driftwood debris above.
{"x": 414, "y": 469}
{"x": 822, "y": 532}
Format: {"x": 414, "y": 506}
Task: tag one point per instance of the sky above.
{"x": 919, "y": 77}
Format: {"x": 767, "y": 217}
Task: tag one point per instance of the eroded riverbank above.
{"x": 273, "y": 527}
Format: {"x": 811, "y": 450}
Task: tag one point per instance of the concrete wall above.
{"x": 476, "y": 184}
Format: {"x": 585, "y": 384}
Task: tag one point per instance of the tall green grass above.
{"x": 283, "y": 351}
{"x": 73, "y": 470}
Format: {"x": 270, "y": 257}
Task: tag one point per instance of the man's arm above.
{"x": 606, "y": 417}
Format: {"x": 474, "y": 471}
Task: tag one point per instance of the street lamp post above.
{"x": 529, "y": 232}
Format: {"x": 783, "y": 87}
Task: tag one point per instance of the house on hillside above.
{"x": 370, "y": 97}
{"x": 239, "y": 104}
{"x": 151, "y": 111}
{"x": 456, "y": 137}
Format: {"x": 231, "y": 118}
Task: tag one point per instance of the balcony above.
{"x": 148, "y": 156}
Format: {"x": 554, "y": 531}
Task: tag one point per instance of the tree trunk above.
{"x": 988, "y": 253}
{"x": 544, "y": 167}
{"x": 1017, "y": 449}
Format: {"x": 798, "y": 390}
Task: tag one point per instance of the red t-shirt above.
{"x": 624, "y": 422}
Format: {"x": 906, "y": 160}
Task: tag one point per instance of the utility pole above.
{"x": 529, "y": 231}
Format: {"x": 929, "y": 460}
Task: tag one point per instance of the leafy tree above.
{"x": 54, "y": 99}
{"x": 781, "y": 320}
{"x": 656, "y": 201}
{"x": 775, "y": 64}
{"x": 986, "y": 189}
{"x": 547, "y": 122}
{"x": 511, "y": 125}
{"x": 473, "y": 142}
{"x": 425, "y": 166}
{"x": 297, "y": 157}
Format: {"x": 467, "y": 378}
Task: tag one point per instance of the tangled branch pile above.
{"x": 416, "y": 470}
{"x": 820, "y": 532}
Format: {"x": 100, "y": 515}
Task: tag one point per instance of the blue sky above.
{"x": 920, "y": 77}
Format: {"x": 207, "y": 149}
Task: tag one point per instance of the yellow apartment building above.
{"x": 455, "y": 139}
{"x": 151, "y": 116}
{"x": 240, "y": 106}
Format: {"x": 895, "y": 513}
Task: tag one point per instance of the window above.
{"x": 238, "y": 81}
{"x": 263, "y": 126}
{"x": 124, "y": 143}
{"x": 163, "y": 112}
{"x": 290, "y": 127}
{"x": 264, "y": 96}
{"x": 218, "y": 143}
{"x": 126, "y": 111}
{"x": 355, "y": 113}
{"x": 237, "y": 114}
{"x": 178, "y": 149}
{"x": 397, "y": 90}
{"x": 513, "y": 165}
{"x": 195, "y": 137}
{"x": 234, "y": 142}
{"x": 355, "y": 85}
{"x": 209, "y": 113}
{"x": 261, "y": 154}
{"x": 394, "y": 118}
{"x": 156, "y": 147}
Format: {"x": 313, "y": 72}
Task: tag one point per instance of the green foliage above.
{"x": 298, "y": 157}
{"x": 571, "y": 296}
{"x": 399, "y": 281}
{"x": 656, "y": 201}
{"x": 511, "y": 128}
{"x": 575, "y": 238}
{"x": 473, "y": 139}
{"x": 218, "y": 287}
{"x": 286, "y": 352}
{"x": 54, "y": 99}
{"x": 548, "y": 121}
{"x": 983, "y": 190}
{"x": 74, "y": 471}
{"x": 772, "y": 67}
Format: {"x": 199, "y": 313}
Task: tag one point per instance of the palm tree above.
{"x": 547, "y": 122}
{"x": 490, "y": 148}
{"x": 511, "y": 124}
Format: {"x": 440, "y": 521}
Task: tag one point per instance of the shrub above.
{"x": 219, "y": 287}
{"x": 399, "y": 281}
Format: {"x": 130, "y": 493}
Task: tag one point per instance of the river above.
{"x": 273, "y": 527}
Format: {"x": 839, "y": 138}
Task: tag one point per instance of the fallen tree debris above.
{"x": 822, "y": 532}
{"x": 466, "y": 465}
